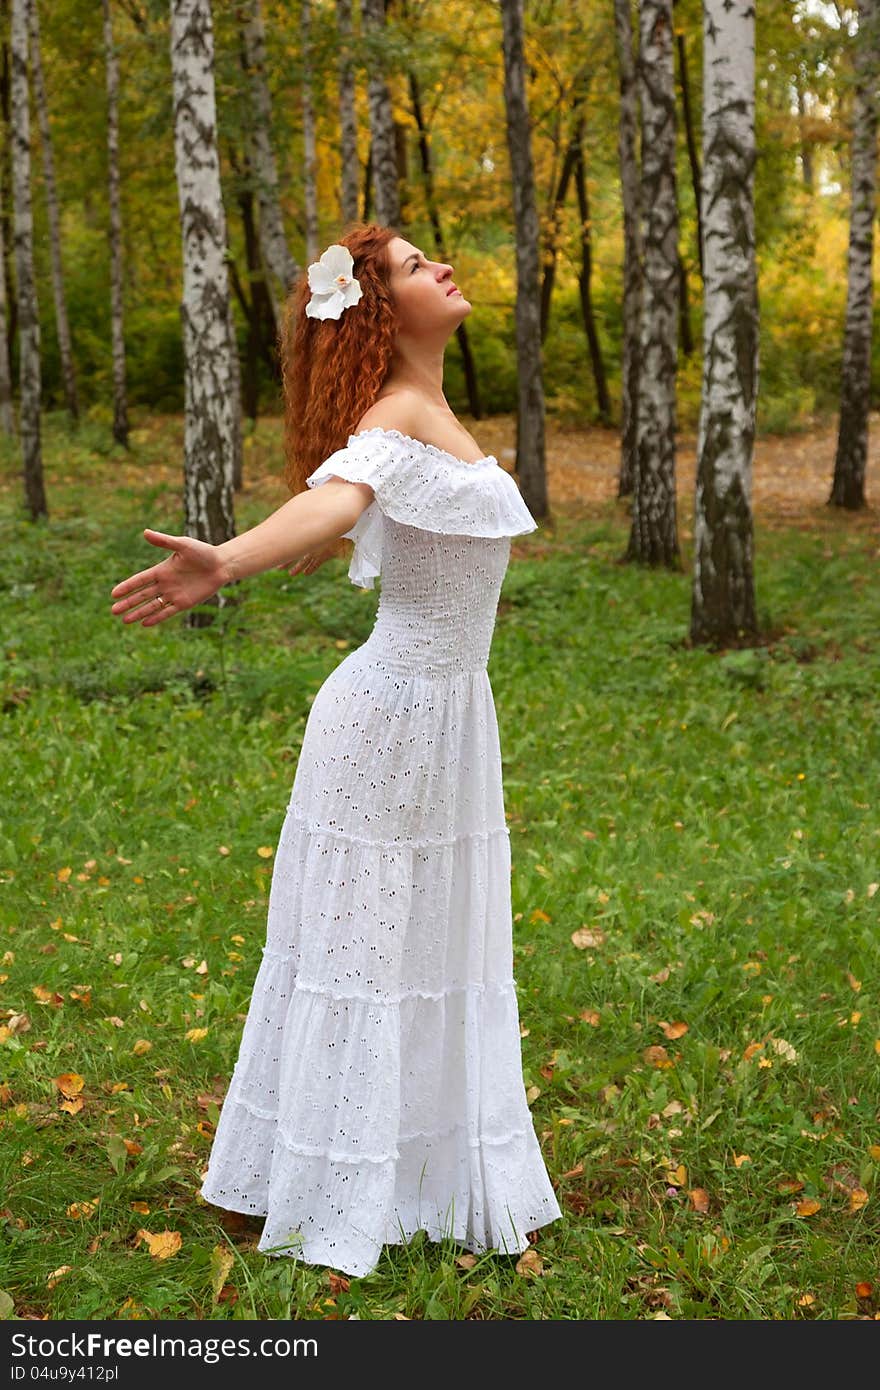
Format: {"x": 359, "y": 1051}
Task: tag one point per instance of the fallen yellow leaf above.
{"x": 196, "y": 1034}
{"x": 72, "y": 1107}
{"x": 699, "y": 1199}
{"x": 141, "y": 1046}
{"x": 740, "y": 1159}
{"x": 673, "y": 1030}
{"x": 222, "y": 1260}
{"x": 854, "y": 984}
{"x": 591, "y": 1016}
{"x": 806, "y": 1300}
{"x": 265, "y": 851}
{"x": 163, "y": 1244}
{"x": 808, "y": 1207}
{"x": 874, "y": 1152}
{"x": 83, "y": 1208}
{"x": 587, "y": 937}
{"x": 530, "y": 1263}
{"x": 69, "y": 1083}
{"x": 857, "y": 1199}
{"x": 677, "y": 1177}
{"x": 57, "y": 1274}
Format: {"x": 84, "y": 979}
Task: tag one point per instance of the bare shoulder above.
{"x": 400, "y": 410}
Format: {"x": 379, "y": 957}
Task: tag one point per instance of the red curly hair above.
{"x": 333, "y": 369}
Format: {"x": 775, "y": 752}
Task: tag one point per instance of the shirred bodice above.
{"x": 439, "y": 533}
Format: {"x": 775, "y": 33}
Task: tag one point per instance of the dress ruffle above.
{"x": 420, "y": 485}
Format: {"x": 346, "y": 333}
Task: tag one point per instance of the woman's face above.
{"x": 426, "y": 299}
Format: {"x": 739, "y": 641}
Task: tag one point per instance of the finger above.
{"x": 136, "y": 581}
{"x": 142, "y": 594}
{"x": 166, "y": 611}
{"x": 142, "y": 606}
{"x": 162, "y": 538}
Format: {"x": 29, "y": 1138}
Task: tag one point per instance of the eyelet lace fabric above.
{"x": 378, "y": 1088}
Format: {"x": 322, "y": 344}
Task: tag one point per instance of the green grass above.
{"x": 714, "y": 819}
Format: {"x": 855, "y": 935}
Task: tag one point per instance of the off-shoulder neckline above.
{"x": 429, "y": 448}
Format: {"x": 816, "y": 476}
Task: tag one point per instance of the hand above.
{"x": 189, "y": 575}
{"x": 307, "y": 564}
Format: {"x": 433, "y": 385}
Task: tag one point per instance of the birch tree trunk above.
{"x": 433, "y": 211}
{"x": 653, "y": 538}
{"x": 530, "y": 372}
{"x": 848, "y": 487}
{"x": 273, "y": 243}
{"x": 383, "y": 155}
{"x": 585, "y": 278}
{"x": 209, "y": 455}
{"x": 28, "y": 317}
{"x": 7, "y": 416}
{"x": 723, "y": 597}
{"x": 347, "y": 112}
{"x": 120, "y": 404}
{"x": 627, "y": 145}
{"x": 62, "y": 324}
{"x": 310, "y": 168}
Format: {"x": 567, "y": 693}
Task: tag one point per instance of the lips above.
{"x": 453, "y": 290}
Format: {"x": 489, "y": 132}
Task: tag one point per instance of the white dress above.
{"x": 378, "y": 1088}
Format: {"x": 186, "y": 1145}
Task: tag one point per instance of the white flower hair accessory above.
{"x": 333, "y": 286}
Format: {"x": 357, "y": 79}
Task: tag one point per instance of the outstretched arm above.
{"x": 195, "y": 569}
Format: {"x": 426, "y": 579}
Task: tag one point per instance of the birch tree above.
{"x": 848, "y": 487}
{"x": 7, "y": 416}
{"x": 723, "y": 598}
{"x": 273, "y": 242}
{"x": 310, "y": 163}
{"x": 62, "y": 324}
{"x": 347, "y": 113}
{"x": 117, "y": 331}
{"x": 208, "y": 370}
{"x": 383, "y": 139}
{"x": 530, "y": 373}
{"x": 627, "y": 147}
{"x": 653, "y": 538}
{"x": 28, "y": 318}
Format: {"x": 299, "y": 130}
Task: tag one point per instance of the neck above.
{"x": 420, "y": 369}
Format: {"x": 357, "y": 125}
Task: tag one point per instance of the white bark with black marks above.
{"x": 208, "y": 371}
{"x": 30, "y": 378}
{"x": 62, "y": 325}
{"x": 117, "y": 332}
{"x": 347, "y": 113}
{"x": 530, "y": 443}
{"x": 653, "y": 539}
{"x": 627, "y": 148}
{"x": 848, "y": 487}
{"x": 386, "y": 193}
{"x": 7, "y": 414}
{"x": 310, "y": 163}
{"x": 723, "y": 596}
{"x": 273, "y": 242}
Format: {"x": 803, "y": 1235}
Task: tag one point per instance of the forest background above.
{"x": 804, "y": 96}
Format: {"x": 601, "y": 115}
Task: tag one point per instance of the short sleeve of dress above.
{"x": 420, "y": 485}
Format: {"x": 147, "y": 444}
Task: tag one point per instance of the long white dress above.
{"x": 378, "y": 1088}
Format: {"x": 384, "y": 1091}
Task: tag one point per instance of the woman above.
{"x": 378, "y": 1088}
